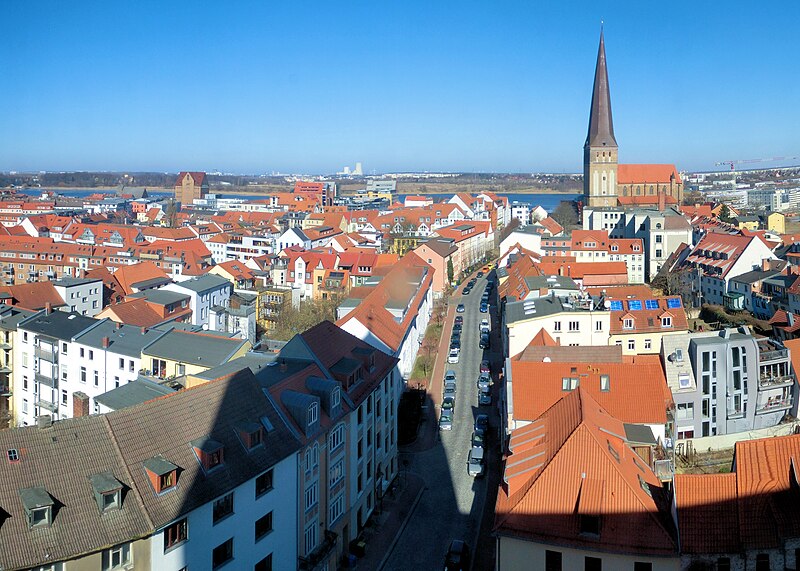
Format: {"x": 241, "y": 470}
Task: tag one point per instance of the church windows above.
{"x": 624, "y": 191}
{"x": 651, "y": 189}
{"x": 638, "y": 190}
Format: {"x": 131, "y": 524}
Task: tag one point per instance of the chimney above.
{"x": 106, "y": 342}
{"x": 44, "y": 421}
{"x": 48, "y": 309}
{"x": 119, "y": 325}
{"x": 80, "y": 404}
{"x": 283, "y": 367}
{"x": 144, "y": 330}
{"x": 662, "y": 200}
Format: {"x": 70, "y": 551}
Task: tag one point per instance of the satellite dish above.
{"x": 607, "y": 304}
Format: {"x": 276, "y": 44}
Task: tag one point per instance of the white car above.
{"x": 453, "y": 356}
{"x": 484, "y": 326}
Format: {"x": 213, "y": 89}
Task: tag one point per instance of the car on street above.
{"x": 484, "y": 325}
{"x": 452, "y": 357}
{"x": 484, "y": 341}
{"x": 480, "y": 274}
{"x": 457, "y": 557}
{"x": 449, "y": 390}
{"x": 457, "y": 327}
{"x": 455, "y": 344}
{"x": 459, "y": 320}
{"x": 449, "y": 376}
{"x": 482, "y": 424}
{"x": 484, "y": 307}
{"x": 460, "y": 308}
{"x": 477, "y": 440}
{"x": 446, "y": 420}
{"x": 484, "y": 380}
{"x": 467, "y": 290}
{"x": 485, "y": 366}
{"x": 484, "y": 398}
{"x": 475, "y": 462}
{"x": 449, "y": 403}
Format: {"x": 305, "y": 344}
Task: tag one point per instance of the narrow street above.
{"x": 453, "y": 504}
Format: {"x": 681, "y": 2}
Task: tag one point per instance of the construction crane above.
{"x": 751, "y": 161}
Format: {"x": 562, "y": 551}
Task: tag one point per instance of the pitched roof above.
{"x": 647, "y": 174}
{"x": 128, "y": 276}
{"x": 645, "y": 315}
{"x": 202, "y": 349}
{"x": 601, "y": 125}
{"x": 34, "y": 295}
{"x": 197, "y": 176}
{"x": 637, "y": 392}
{"x": 574, "y": 461}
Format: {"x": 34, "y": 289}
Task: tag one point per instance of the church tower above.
{"x": 600, "y": 149}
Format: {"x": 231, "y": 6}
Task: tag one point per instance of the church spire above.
{"x": 601, "y": 126}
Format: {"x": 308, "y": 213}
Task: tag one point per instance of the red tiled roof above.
{"x": 645, "y": 200}
{"x": 647, "y": 320}
{"x": 197, "y": 176}
{"x": 708, "y": 518}
{"x": 781, "y": 320}
{"x": 638, "y": 389}
{"x": 34, "y": 296}
{"x": 647, "y": 174}
{"x": 574, "y": 461}
{"x": 127, "y": 276}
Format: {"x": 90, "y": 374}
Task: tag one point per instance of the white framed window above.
{"x": 336, "y": 508}
{"x": 117, "y": 557}
{"x": 311, "y": 496}
{"x": 648, "y": 344}
{"x": 336, "y": 398}
{"x": 336, "y": 438}
{"x": 574, "y": 325}
{"x": 598, "y": 325}
{"x": 336, "y": 473}
{"x": 313, "y": 413}
{"x": 631, "y": 344}
{"x": 666, "y": 321}
{"x": 310, "y": 536}
{"x": 627, "y": 323}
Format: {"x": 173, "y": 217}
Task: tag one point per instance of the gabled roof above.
{"x": 34, "y": 295}
{"x": 647, "y": 174}
{"x": 202, "y": 349}
{"x": 637, "y": 392}
{"x": 574, "y": 461}
{"x": 601, "y": 125}
{"x": 198, "y": 177}
{"x": 645, "y": 315}
{"x": 129, "y": 276}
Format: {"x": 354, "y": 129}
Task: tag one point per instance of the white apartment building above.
{"x": 204, "y": 292}
{"x": 82, "y": 295}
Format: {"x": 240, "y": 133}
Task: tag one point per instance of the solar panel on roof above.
{"x": 616, "y": 306}
{"x": 651, "y": 304}
{"x": 674, "y": 303}
{"x": 635, "y": 305}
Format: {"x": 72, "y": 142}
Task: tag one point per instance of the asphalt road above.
{"x": 453, "y": 504}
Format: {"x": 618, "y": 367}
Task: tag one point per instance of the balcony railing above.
{"x": 774, "y": 382}
{"x": 320, "y": 554}
{"x": 664, "y": 470}
{"x": 736, "y": 413}
{"x": 773, "y": 355}
{"x": 46, "y": 354}
{"x": 774, "y": 404}
{"x": 46, "y": 404}
{"x": 45, "y": 380}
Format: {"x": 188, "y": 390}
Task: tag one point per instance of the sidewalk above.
{"x": 387, "y": 524}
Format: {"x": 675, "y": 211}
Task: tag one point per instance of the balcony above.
{"x": 774, "y": 404}
{"x": 45, "y": 380}
{"x": 734, "y": 413}
{"x": 775, "y": 355}
{"x": 46, "y": 404}
{"x": 46, "y": 354}
{"x": 775, "y": 382}
{"x": 320, "y": 555}
{"x": 664, "y": 470}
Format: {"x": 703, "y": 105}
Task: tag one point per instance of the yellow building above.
{"x": 190, "y": 185}
{"x": 746, "y": 222}
{"x": 181, "y": 353}
{"x": 270, "y": 303}
{"x": 776, "y": 222}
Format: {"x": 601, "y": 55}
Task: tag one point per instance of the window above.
{"x": 122, "y": 364}
{"x": 64, "y": 396}
{"x": 640, "y": 566}
{"x": 24, "y": 359}
{"x": 590, "y": 524}
{"x": 265, "y": 564}
{"x": 264, "y": 483}
{"x": 40, "y": 517}
{"x": 666, "y": 321}
{"x": 627, "y": 323}
{"x": 631, "y": 344}
{"x": 311, "y": 496}
{"x": 222, "y": 554}
{"x": 336, "y": 473}
{"x": 116, "y": 557}
{"x": 605, "y": 383}
{"x": 762, "y": 562}
{"x": 648, "y": 344}
{"x": 83, "y": 352}
{"x": 166, "y": 481}
{"x": 336, "y": 438}
{"x": 91, "y": 355}
{"x": 24, "y": 382}
{"x": 686, "y": 411}
{"x": 313, "y": 413}
{"x": 223, "y": 507}
{"x": 568, "y": 384}
{"x": 598, "y": 325}
{"x": 83, "y": 374}
{"x": 593, "y": 564}
{"x": 263, "y": 526}
{"x": 574, "y": 325}
{"x": 96, "y": 379}
{"x": 311, "y": 537}
{"x": 552, "y": 560}
{"x": 557, "y": 326}
{"x": 336, "y": 398}
{"x": 24, "y": 406}
{"x": 175, "y": 534}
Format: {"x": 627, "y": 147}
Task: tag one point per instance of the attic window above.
{"x": 107, "y": 491}
{"x": 13, "y": 455}
{"x": 612, "y": 450}
{"x": 312, "y": 415}
{"x": 645, "y": 486}
{"x": 210, "y": 452}
{"x": 163, "y": 474}
{"x": 590, "y": 524}
{"x": 605, "y": 383}
{"x": 251, "y": 434}
{"x": 38, "y": 506}
{"x": 336, "y": 398}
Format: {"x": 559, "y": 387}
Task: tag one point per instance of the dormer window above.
{"x": 251, "y": 434}
{"x": 107, "y": 491}
{"x": 209, "y": 452}
{"x": 38, "y": 506}
{"x": 666, "y": 321}
{"x": 336, "y": 398}
{"x": 163, "y": 474}
{"x": 627, "y": 323}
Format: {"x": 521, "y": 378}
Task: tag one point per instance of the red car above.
{"x": 485, "y": 366}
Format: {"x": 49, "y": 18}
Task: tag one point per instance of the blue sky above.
{"x": 298, "y": 86}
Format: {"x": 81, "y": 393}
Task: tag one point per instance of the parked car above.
{"x": 449, "y": 376}
{"x": 484, "y": 341}
{"x": 484, "y": 398}
{"x": 484, "y": 307}
{"x": 460, "y": 308}
{"x": 452, "y": 357}
{"x": 449, "y": 390}
{"x": 480, "y": 274}
{"x": 449, "y": 403}
{"x": 467, "y": 290}
{"x": 459, "y": 320}
{"x": 455, "y": 344}
{"x": 457, "y": 327}
{"x": 475, "y": 462}
{"x": 484, "y": 380}
{"x": 457, "y": 558}
{"x": 485, "y": 366}
{"x": 477, "y": 440}
{"x": 482, "y": 424}
{"x": 446, "y": 420}
{"x": 484, "y": 325}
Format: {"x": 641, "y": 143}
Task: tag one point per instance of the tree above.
{"x": 566, "y": 214}
{"x": 450, "y": 270}
{"x": 293, "y": 320}
{"x": 172, "y": 214}
{"x": 675, "y": 282}
{"x": 725, "y": 214}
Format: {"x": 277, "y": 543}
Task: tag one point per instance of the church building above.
{"x": 606, "y": 183}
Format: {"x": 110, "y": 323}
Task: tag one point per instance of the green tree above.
{"x": 566, "y": 214}
{"x": 725, "y": 214}
{"x": 450, "y": 270}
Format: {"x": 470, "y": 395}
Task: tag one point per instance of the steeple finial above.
{"x": 601, "y": 124}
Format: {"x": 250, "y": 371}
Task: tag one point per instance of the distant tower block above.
{"x": 358, "y": 171}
